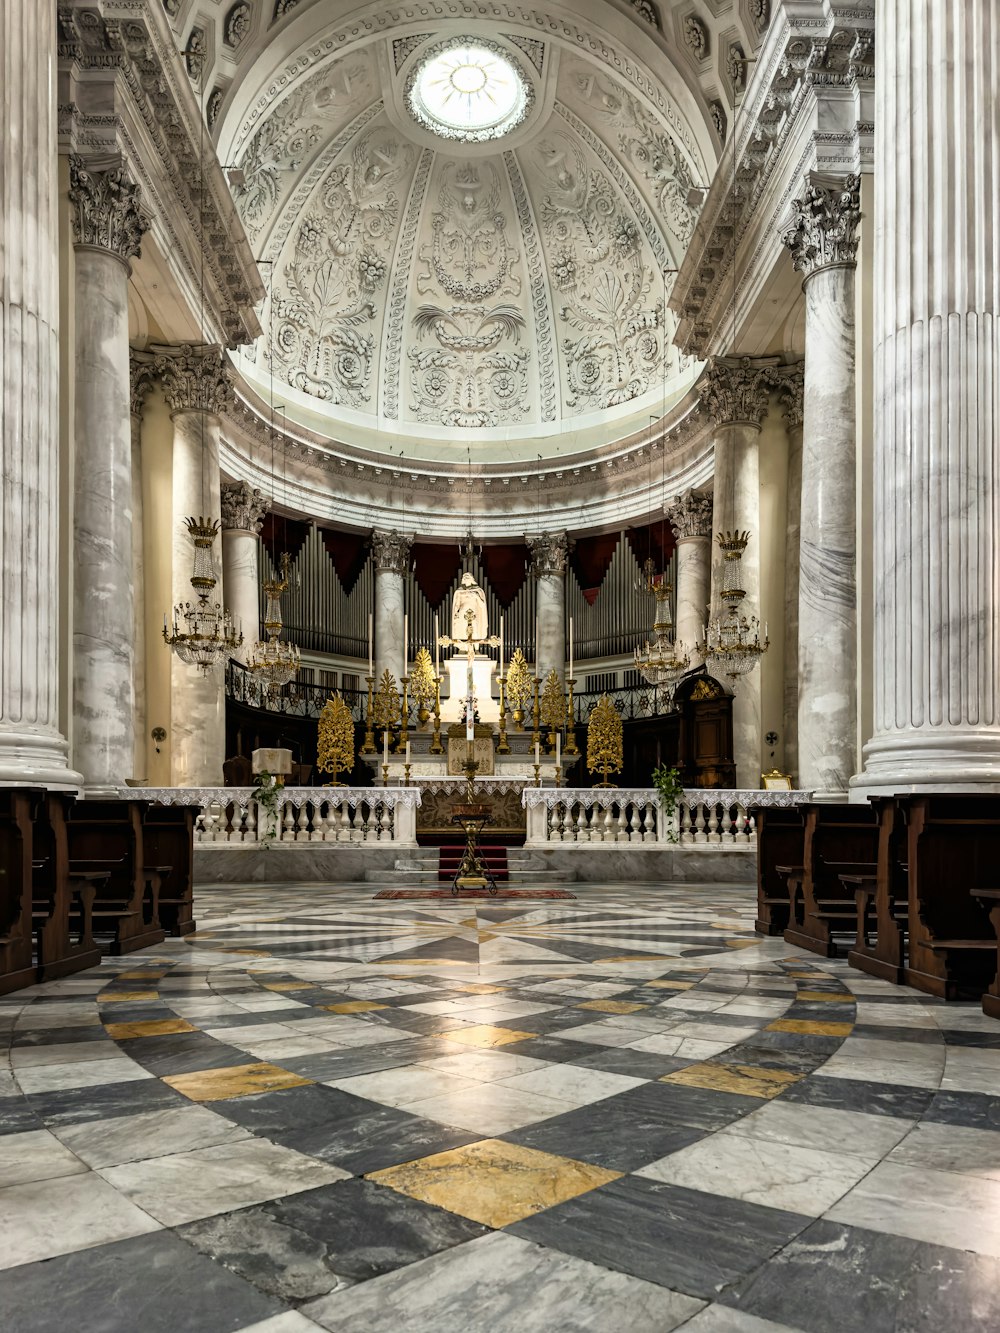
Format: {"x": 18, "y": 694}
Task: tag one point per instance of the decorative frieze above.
{"x": 548, "y": 553}
{"x": 824, "y": 230}
{"x": 736, "y": 391}
{"x": 107, "y": 209}
{"x": 690, "y": 515}
{"x": 391, "y": 551}
{"x": 243, "y": 506}
{"x": 195, "y": 379}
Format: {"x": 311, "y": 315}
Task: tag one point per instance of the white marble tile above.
{"x": 489, "y": 1109}
{"x": 823, "y": 1127}
{"x": 289, "y": 1322}
{"x": 83, "y": 1074}
{"x": 972, "y": 1069}
{"x": 720, "y": 1319}
{"x": 570, "y": 1083}
{"x": 35, "y": 1155}
{"x": 405, "y": 1084}
{"x": 134, "y": 1138}
{"x": 189, "y": 1185}
{"x": 941, "y": 1147}
{"x": 63, "y": 1053}
{"x": 49, "y": 1217}
{"x": 603, "y": 1034}
{"x": 488, "y": 1066}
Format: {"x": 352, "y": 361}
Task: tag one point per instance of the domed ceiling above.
{"x": 452, "y": 262}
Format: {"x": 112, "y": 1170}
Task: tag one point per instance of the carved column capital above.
{"x": 243, "y": 506}
{"x": 791, "y": 388}
{"x": 548, "y": 553}
{"x": 195, "y": 379}
{"x": 824, "y": 227}
{"x": 391, "y": 551}
{"x": 142, "y": 376}
{"x": 107, "y": 209}
{"x": 736, "y": 390}
{"x": 690, "y": 515}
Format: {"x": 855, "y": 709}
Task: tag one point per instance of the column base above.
{"x": 912, "y": 761}
{"x": 36, "y": 759}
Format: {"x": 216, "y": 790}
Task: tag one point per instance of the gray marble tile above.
{"x": 310, "y": 1244}
{"x": 35, "y": 1155}
{"x": 102, "y": 1103}
{"x": 501, "y": 1284}
{"x": 49, "y": 1217}
{"x": 155, "y": 1283}
{"x": 132, "y": 1138}
{"x": 857, "y": 1095}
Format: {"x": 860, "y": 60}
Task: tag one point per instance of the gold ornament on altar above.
{"x": 385, "y": 709}
{"x": 335, "y": 745}
{"x": 422, "y": 684}
{"x": 519, "y": 687}
{"x": 553, "y": 709}
{"x": 604, "y": 741}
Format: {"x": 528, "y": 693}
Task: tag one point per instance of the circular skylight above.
{"x": 468, "y": 88}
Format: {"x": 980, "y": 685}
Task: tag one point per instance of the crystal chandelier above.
{"x": 202, "y": 635}
{"x": 733, "y": 644}
{"x": 661, "y": 661}
{"x": 274, "y": 662}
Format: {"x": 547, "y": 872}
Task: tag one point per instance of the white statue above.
{"x": 469, "y": 598}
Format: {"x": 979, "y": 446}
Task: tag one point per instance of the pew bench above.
{"x": 990, "y": 898}
{"x": 883, "y": 908}
{"x": 780, "y": 834}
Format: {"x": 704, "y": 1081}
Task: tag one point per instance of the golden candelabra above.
{"x": 536, "y": 735}
{"x": 518, "y": 688}
{"x": 404, "y": 720}
{"x": 436, "y": 746}
{"x": 604, "y": 741}
{"x": 553, "y": 708}
{"x": 422, "y": 683}
{"x": 571, "y": 745}
{"x": 335, "y": 740}
{"x": 369, "y": 742}
{"x": 503, "y": 746}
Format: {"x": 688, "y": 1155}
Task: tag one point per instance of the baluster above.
{"x": 714, "y": 835}
{"x": 552, "y": 833}
{"x": 352, "y": 822}
{"x": 621, "y": 834}
{"x": 211, "y": 820}
{"x": 686, "y": 833}
{"x": 699, "y": 823}
{"x": 321, "y": 820}
{"x": 580, "y": 823}
{"x": 200, "y": 832}
{"x": 751, "y": 827}
{"x": 386, "y": 823}
{"x": 634, "y": 834}
{"x": 302, "y": 823}
{"x": 286, "y": 822}
{"x": 609, "y": 823}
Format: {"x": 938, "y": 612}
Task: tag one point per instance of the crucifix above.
{"x": 470, "y": 643}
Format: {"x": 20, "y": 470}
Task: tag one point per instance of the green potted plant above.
{"x": 667, "y": 782}
{"x": 268, "y": 798}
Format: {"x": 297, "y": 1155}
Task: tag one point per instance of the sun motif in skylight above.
{"x": 469, "y": 89}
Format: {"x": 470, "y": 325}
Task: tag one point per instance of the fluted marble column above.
{"x": 790, "y": 392}
{"x": 690, "y": 517}
{"x": 243, "y": 510}
{"x": 937, "y": 399}
{"x": 141, "y": 379}
{"x": 548, "y": 565}
{"x": 32, "y": 748}
{"x": 823, "y": 243}
{"x": 735, "y": 394}
{"x": 391, "y": 555}
{"x": 197, "y": 391}
{"x": 108, "y": 227}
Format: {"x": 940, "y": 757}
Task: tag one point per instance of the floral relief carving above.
{"x": 736, "y": 391}
{"x": 107, "y": 209}
{"x": 391, "y": 551}
{"x": 824, "y": 229}
{"x": 324, "y": 344}
{"x": 243, "y": 506}
{"x": 238, "y": 23}
{"x": 696, "y": 36}
{"x": 690, "y": 515}
{"x": 195, "y": 379}
{"x": 549, "y": 553}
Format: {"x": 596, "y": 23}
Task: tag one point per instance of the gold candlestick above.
{"x": 536, "y": 735}
{"x": 385, "y": 775}
{"x": 369, "y": 745}
{"x": 406, "y": 775}
{"x": 571, "y": 746}
{"x": 538, "y": 775}
{"x": 558, "y": 775}
{"x": 404, "y": 721}
{"x": 503, "y": 746}
{"x": 436, "y": 746}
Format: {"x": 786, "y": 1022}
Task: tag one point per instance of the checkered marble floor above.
{"x": 623, "y": 1112}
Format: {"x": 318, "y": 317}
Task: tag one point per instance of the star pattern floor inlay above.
{"x": 623, "y": 1111}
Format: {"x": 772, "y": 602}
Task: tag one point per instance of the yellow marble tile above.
{"x": 482, "y": 990}
{"x": 809, "y": 976}
{"x": 122, "y": 996}
{"x": 352, "y": 1007}
{"x": 612, "y": 1006}
{"x": 143, "y": 974}
{"x": 493, "y": 1182}
{"x": 483, "y": 1034}
{"x": 749, "y": 1080}
{"x": 214, "y": 1085}
{"x": 824, "y": 997}
{"x": 153, "y": 1027}
{"x": 807, "y": 1025}
{"x": 423, "y": 962}
{"x": 741, "y": 944}
{"x": 248, "y": 953}
{"x": 672, "y": 985}
{"x": 636, "y": 958}
{"x": 288, "y": 985}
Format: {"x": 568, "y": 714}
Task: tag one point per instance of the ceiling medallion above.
{"x": 469, "y": 89}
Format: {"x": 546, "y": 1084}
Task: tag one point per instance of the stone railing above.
{"x": 611, "y": 816}
{"x": 233, "y": 817}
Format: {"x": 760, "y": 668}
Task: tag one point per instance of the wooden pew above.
{"x": 168, "y": 839}
{"x": 953, "y": 847}
{"x": 990, "y": 898}
{"x": 108, "y": 835}
{"x": 780, "y": 842}
{"x": 839, "y": 840}
{"x": 63, "y": 900}
{"x": 17, "y": 808}
{"x": 881, "y": 900}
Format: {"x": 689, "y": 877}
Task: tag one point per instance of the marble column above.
{"x": 391, "y": 555}
{"x": 142, "y": 376}
{"x": 243, "y": 510}
{"x": 690, "y": 517}
{"x": 197, "y": 392}
{"x": 790, "y": 392}
{"x": 735, "y": 394}
{"x": 823, "y": 242}
{"x": 548, "y": 565}
{"x": 108, "y": 226}
{"x": 937, "y": 400}
{"x": 32, "y": 748}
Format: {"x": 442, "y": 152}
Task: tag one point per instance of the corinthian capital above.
{"x": 824, "y": 227}
{"x": 243, "y": 506}
{"x": 791, "y": 385}
{"x": 690, "y": 515}
{"x": 548, "y": 553}
{"x": 142, "y": 376}
{"x": 391, "y": 551}
{"x": 735, "y": 391}
{"x": 107, "y": 210}
{"x": 195, "y": 380}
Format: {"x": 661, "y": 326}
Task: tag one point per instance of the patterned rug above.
{"x": 474, "y": 893}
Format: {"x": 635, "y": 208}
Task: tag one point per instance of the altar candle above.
{"x": 501, "y": 647}
{"x": 537, "y": 642}
{"x": 558, "y": 749}
{"x": 469, "y": 724}
{"x": 537, "y": 760}
{"x": 407, "y": 751}
{"x": 437, "y": 647}
{"x": 571, "y": 647}
{"x": 385, "y": 747}
{"x": 406, "y": 641}
{"x": 371, "y": 655}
